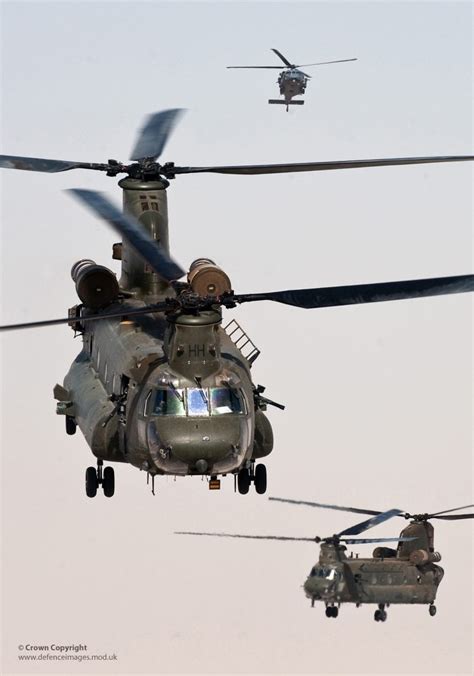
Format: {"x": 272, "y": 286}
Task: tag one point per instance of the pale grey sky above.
{"x": 379, "y": 398}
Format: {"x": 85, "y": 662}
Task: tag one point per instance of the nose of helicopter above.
{"x": 200, "y": 443}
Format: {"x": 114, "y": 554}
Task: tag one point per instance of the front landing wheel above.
{"x": 432, "y": 610}
{"x": 108, "y": 482}
{"x": 243, "y": 481}
{"x": 260, "y": 479}
{"x": 92, "y": 482}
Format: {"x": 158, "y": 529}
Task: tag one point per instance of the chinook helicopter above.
{"x": 408, "y": 574}
{"x": 159, "y": 384}
{"x": 292, "y": 81}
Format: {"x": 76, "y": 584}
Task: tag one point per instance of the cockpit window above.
{"x": 225, "y": 400}
{"x": 327, "y": 573}
{"x": 198, "y": 401}
{"x": 169, "y": 402}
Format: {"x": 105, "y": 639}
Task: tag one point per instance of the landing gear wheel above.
{"x": 92, "y": 482}
{"x": 332, "y": 611}
{"x": 70, "y": 425}
{"x": 380, "y": 615}
{"x": 243, "y": 481}
{"x": 432, "y": 610}
{"x": 335, "y": 612}
{"x": 260, "y": 479}
{"x": 329, "y": 611}
{"x": 108, "y": 482}
{"x": 377, "y": 616}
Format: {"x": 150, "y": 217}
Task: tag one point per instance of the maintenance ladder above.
{"x": 241, "y": 340}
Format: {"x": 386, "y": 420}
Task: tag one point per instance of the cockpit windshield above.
{"x": 326, "y": 573}
{"x": 197, "y": 401}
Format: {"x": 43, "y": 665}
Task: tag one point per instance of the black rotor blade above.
{"x": 446, "y": 511}
{"x": 323, "y": 63}
{"x": 361, "y": 541}
{"x": 253, "y": 169}
{"x": 125, "y": 312}
{"x": 155, "y": 133}
{"x": 452, "y": 517}
{"x": 272, "y": 67}
{"x": 370, "y": 523}
{"x": 48, "y": 166}
{"x": 283, "y": 58}
{"x": 247, "y": 537}
{"x": 306, "y": 75}
{"x": 332, "y": 296}
{"x": 356, "y": 510}
{"x": 151, "y": 252}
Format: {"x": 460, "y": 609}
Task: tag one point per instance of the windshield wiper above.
{"x": 197, "y": 380}
{"x": 179, "y": 396}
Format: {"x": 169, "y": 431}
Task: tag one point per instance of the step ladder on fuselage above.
{"x": 241, "y": 340}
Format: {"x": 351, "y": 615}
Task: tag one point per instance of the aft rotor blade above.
{"x": 362, "y": 541}
{"x": 364, "y": 293}
{"x": 151, "y": 252}
{"x": 323, "y": 63}
{"x": 370, "y": 523}
{"x": 155, "y": 133}
{"x": 356, "y": 510}
{"x": 125, "y": 312}
{"x": 253, "y": 169}
{"x": 272, "y": 67}
{"x": 446, "y": 511}
{"x": 247, "y": 537}
{"x": 452, "y": 517}
{"x": 44, "y": 165}
{"x": 283, "y": 58}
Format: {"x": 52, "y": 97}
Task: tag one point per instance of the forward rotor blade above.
{"x": 125, "y": 312}
{"x": 151, "y": 252}
{"x": 253, "y": 169}
{"x": 446, "y": 511}
{"x": 364, "y": 293}
{"x": 356, "y": 510}
{"x": 323, "y": 63}
{"x": 155, "y": 133}
{"x": 452, "y": 517}
{"x": 247, "y": 537}
{"x": 272, "y": 67}
{"x": 362, "y": 541}
{"x": 48, "y": 166}
{"x": 283, "y": 58}
{"x": 370, "y": 523}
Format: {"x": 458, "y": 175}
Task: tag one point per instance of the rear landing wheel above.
{"x": 92, "y": 482}
{"x": 432, "y": 610}
{"x": 70, "y": 425}
{"x": 260, "y": 479}
{"x": 108, "y": 482}
{"x": 243, "y": 481}
{"x": 380, "y": 615}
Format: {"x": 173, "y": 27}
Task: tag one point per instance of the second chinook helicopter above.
{"x": 159, "y": 384}
{"x": 409, "y": 574}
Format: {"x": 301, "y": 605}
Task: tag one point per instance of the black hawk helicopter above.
{"x": 159, "y": 383}
{"x": 408, "y": 574}
{"x": 292, "y": 81}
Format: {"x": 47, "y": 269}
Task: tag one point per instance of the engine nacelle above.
{"x": 96, "y": 285}
{"x": 420, "y": 557}
{"x": 208, "y": 279}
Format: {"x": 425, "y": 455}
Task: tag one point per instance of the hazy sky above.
{"x": 378, "y": 397}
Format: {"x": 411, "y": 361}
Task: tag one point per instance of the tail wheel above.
{"x": 108, "y": 482}
{"x": 260, "y": 479}
{"x": 92, "y": 482}
{"x": 243, "y": 481}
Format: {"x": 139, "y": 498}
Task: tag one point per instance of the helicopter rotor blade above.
{"x": 156, "y": 257}
{"x": 452, "y": 517}
{"x": 356, "y": 510}
{"x": 44, "y": 165}
{"x": 283, "y": 58}
{"x": 364, "y": 293}
{"x": 247, "y": 537}
{"x": 323, "y": 63}
{"x": 370, "y": 523}
{"x": 446, "y": 511}
{"x": 361, "y": 541}
{"x": 155, "y": 133}
{"x": 124, "y": 313}
{"x": 272, "y": 67}
{"x": 253, "y": 169}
